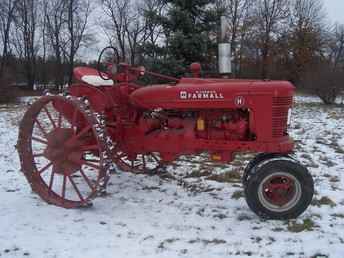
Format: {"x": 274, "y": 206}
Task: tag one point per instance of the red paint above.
{"x": 239, "y": 115}
{"x": 279, "y": 190}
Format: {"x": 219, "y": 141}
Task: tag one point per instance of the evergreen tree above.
{"x": 190, "y": 29}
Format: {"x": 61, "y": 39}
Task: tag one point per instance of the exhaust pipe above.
{"x": 224, "y": 48}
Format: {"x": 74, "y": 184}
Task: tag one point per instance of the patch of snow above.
{"x": 148, "y": 216}
{"x": 307, "y": 99}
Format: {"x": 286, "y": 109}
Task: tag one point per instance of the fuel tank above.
{"x": 194, "y": 93}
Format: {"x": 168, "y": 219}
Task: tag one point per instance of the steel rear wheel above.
{"x": 138, "y": 163}
{"x": 279, "y": 189}
{"x": 148, "y": 163}
{"x": 62, "y": 148}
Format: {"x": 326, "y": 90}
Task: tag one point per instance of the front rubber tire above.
{"x": 303, "y": 186}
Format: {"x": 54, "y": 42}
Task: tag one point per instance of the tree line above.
{"x": 270, "y": 39}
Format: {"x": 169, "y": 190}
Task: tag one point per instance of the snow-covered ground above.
{"x": 198, "y": 211}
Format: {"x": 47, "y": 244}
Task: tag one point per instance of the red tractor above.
{"x": 70, "y": 144}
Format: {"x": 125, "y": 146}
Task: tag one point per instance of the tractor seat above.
{"x": 91, "y": 76}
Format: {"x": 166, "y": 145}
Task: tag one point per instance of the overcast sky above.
{"x": 335, "y": 10}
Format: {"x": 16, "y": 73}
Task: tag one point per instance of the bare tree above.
{"x": 152, "y": 10}
{"x": 337, "y": 47}
{"x": 238, "y": 15}
{"x": 78, "y": 13}
{"x": 326, "y": 74}
{"x": 306, "y": 34}
{"x": 129, "y": 27}
{"x": 324, "y": 81}
{"x": 55, "y": 12}
{"x": 26, "y": 22}
{"x": 307, "y": 13}
{"x": 270, "y": 15}
{"x": 137, "y": 33}
{"x": 117, "y": 12}
{"x": 7, "y": 9}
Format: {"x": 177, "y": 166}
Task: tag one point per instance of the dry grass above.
{"x": 226, "y": 177}
{"x": 237, "y": 195}
{"x": 306, "y": 225}
{"x": 323, "y": 201}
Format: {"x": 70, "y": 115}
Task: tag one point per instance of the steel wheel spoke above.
{"x": 81, "y": 133}
{"x": 137, "y": 166}
{"x": 76, "y": 188}
{"x": 41, "y": 128}
{"x": 86, "y": 179}
{"x": 90, "y": 165}
{"x": 84, "y": 162}
{"x": 39, "y": 140}
{"x": 64, "y": 186}
{"x": 75, "y": 115}
{"x": 141, "y": 164}
{"x": 122, "y": 155}
{"x": 154, "y": 157}
{"x": 51, "y": 180}
{"x": 38, "y": 155}
{"x": 59, "y": 121}
{"x": 49, "y": 116}
{"x": 45, "y": 168}
{"x": 143, "y": 161}
{"x": 92, "y": 160}
{"x": 90, "y": 147}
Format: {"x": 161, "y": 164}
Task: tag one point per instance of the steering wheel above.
{"x": 114, "y": 62}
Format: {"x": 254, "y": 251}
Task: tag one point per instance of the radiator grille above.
{"x": 280, "y": 108}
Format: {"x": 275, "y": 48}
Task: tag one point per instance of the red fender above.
{"x": 98, "y": 99}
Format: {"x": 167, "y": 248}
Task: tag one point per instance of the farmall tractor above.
{"x": 69, "y": 144}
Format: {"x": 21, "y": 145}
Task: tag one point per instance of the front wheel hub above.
{"x": 279, "y": 192}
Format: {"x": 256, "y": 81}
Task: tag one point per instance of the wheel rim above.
{"x": 279, "y": 192}
{"x": 62, "y": 155}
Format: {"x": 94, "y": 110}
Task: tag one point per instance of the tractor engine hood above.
{"x": 191, "y": 93}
